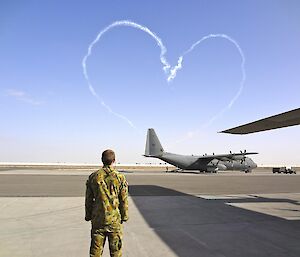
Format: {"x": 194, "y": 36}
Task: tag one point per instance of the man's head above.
{"x": 108, "y": 157}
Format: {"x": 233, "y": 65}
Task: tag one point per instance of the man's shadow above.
{"x": 193, "y": 226}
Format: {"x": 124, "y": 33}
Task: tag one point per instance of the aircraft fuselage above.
{"x": 192, "y": 162}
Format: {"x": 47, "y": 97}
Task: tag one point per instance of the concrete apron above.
{"x": 178, "y": 225}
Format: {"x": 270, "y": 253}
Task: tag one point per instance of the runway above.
{"x": 72, "y": 184}
{"x": 171, "y": 214}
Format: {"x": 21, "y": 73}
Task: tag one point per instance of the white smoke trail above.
{"x": 163, "y": 50}
{"x": 171, "y": 72}
{"x": 174, "y": 70}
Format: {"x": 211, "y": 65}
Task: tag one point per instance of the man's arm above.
{"x": 89, "y": 199}
{"x": 123, "y": 199}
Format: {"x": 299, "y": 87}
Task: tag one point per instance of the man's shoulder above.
{"x": 119, "y": 174}
{"x": 95, "y": 174}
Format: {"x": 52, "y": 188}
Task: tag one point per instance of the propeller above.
{"x": 243, "y": 159}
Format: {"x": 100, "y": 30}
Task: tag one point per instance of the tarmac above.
{"x": 171, "y": 214}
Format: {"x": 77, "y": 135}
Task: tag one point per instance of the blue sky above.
{"x": 48, "y": 113}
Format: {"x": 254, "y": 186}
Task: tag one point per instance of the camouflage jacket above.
{"x": 106, "y": 199}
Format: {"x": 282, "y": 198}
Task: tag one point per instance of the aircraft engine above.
{"x": 238, "y": 157}
{"x": 221, "y": 166}
{"x": 215, "y": 168}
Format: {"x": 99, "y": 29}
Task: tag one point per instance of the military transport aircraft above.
{"x": 206, "y": 163}
{"x": 286, "y": 119}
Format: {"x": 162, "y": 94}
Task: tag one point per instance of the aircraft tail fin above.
{"x": 153, "y": 146}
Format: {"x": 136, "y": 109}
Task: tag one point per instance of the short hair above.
{"x": 108, "y": 157}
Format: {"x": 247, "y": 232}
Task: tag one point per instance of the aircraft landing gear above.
{"x": 176, "y": 170}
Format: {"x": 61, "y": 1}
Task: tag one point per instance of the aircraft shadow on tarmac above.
{"x": 193, "y": 226}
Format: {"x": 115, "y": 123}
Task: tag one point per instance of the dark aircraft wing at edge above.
{"x": 286, "y": 119}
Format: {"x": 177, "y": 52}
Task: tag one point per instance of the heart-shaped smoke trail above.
{"x": 170, "y": 72}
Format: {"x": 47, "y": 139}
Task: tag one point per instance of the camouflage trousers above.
{"x": 98, "y": 238}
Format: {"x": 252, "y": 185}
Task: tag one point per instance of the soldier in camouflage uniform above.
{"x": 106, "y": 205}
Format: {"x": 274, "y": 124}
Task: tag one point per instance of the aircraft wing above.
{"x": 226, "y": 157}
{"x": 286, "y": 119}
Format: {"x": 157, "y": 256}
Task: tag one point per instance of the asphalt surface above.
{"x": 188, "y": 183}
